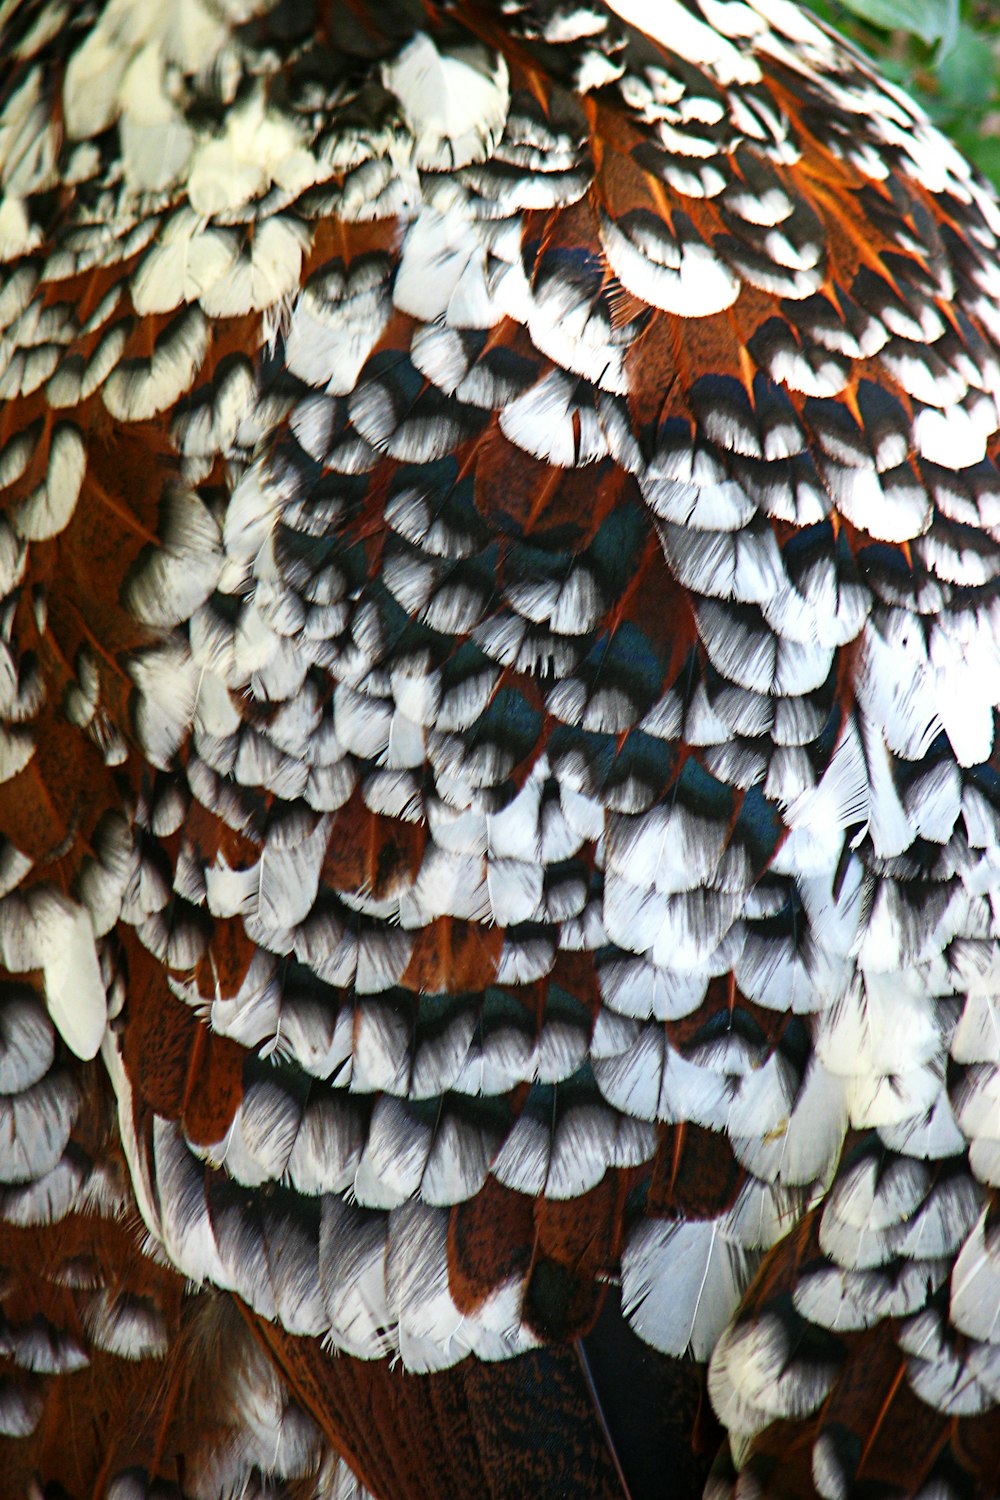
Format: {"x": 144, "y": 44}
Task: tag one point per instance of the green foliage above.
{"x": 930, "y": 20}
{"x": 946, "y": 53}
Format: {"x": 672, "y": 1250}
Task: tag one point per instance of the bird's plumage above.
{"x": 499, "y": 540}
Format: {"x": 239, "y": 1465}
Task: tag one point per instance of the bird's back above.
{"x": 499, "y": 540}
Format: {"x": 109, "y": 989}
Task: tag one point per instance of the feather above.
{"x": 455, "y": 106}
{"x": 498, "y": 679}
{"x": 683, "y": 1281}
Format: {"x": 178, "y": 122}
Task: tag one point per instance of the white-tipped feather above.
{"x": 681, "y": 1283}
{"x": 975, "y": 1286}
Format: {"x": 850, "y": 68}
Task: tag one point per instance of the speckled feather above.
{"x": 499, "y": 520}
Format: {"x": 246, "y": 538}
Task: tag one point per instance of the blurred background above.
{"x": 946, "y": 53}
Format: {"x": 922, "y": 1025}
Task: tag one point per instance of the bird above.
{"x": 499, "y": 781}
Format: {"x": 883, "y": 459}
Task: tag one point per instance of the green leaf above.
{"x": 986, "y": 155}
{"x": 930, "y": 20}
{"x": 965, "y": 74}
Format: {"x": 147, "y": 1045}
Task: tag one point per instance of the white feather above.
{"x": 458, "y": 1163}
{"x": 394, "y": 1158}
{"x": 128, "y": 1326}
{"x": 455, "y": 108}
{"x": 145, "y": 388}
{"x": 328, "y": 1145}
{"x": 179, "y": 1214}
{"x": 681, "y": 1283}
{"x": 522, "y": 1163}
{"x": 938, "y": 1373}
{"x": 74, "y": 989}
{"x": 27, "y": 1044}
{"x": 49, "y": 508}
{"x": 695, "y": 285}
{"x": 755, "y": 1377}
{"x": 431, "y": 1330}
